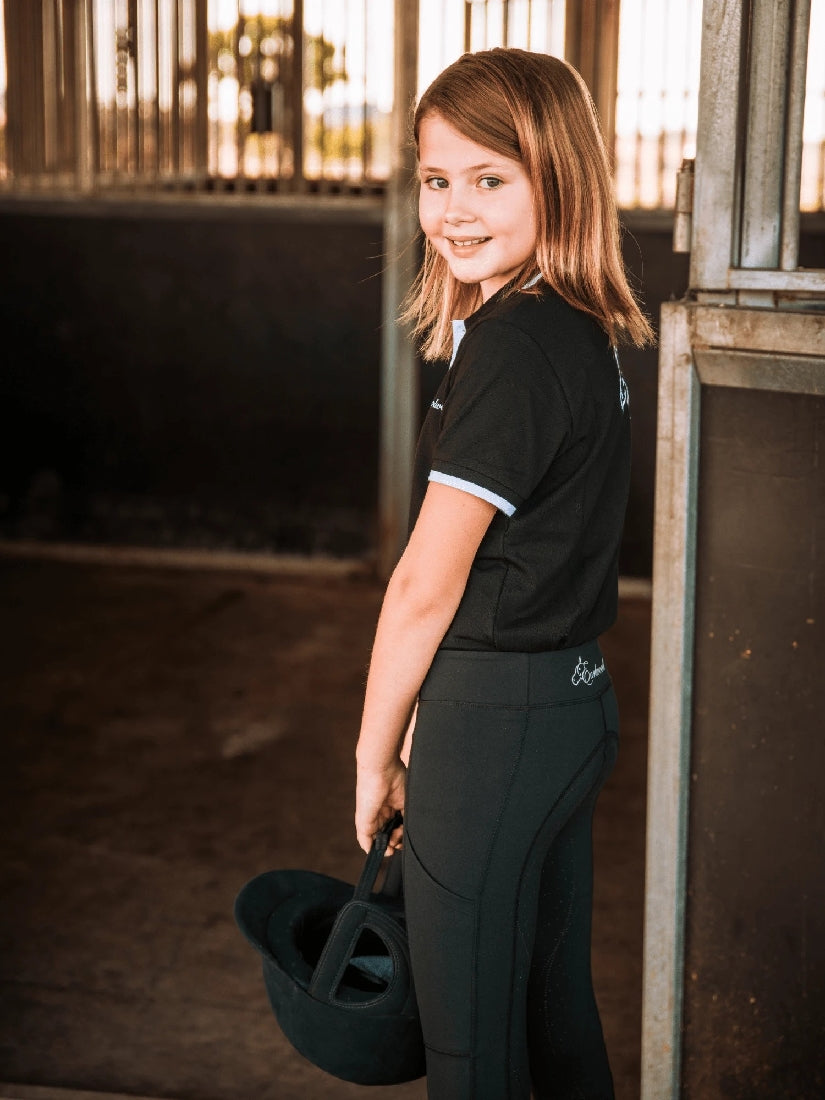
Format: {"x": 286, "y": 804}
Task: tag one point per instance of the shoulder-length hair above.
{"x": 537, "y": 109}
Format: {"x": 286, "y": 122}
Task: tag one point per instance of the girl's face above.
{"x": 475, "y": 206}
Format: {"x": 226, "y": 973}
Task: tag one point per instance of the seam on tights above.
{"x": 483, "y": 882}
{"x": 517, "y": 927}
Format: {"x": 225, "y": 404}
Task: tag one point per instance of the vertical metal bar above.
{"x": 83, "y": 174}
{"x": 137, "y": 121}
{"x": 94, "y": 110}
{"x": 157, "y": 115}
{"x": 717, "y": 144}
{"x": 69, "y": 120}
{"x": 239, "y": 139}
{"x": 592, "y": 47}
{"x": 50, "y": 96}
{"x": 765, "y": 143}
{"x": 789, "y": 244}
{"x": 468, "y": 25}
{"x": 671, "y": 684}
{"x": 365, "y": 121}
{"x": 201, "y": 88}
{"x": 175, "y": 109}
{"x": 399, "y": 374}
{"x": 298, "y": 95}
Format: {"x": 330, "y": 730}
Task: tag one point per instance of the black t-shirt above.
{"x": 533, "y": 416}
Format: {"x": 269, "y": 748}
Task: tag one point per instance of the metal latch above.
{"x": 683, "y": 213}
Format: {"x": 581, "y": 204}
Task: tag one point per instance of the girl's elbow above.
{"x": 423, "y": 593}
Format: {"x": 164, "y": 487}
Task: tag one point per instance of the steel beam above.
{"x": 399, "y": 365}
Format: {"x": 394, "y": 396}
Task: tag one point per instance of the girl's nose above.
{"x": 458, "y": 209}
{"x": 457, "y": 216}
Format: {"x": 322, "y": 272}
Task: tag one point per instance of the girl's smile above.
{"x": 475, "y": 207}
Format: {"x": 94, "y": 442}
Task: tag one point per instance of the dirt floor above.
{"x": 166, "y": 735}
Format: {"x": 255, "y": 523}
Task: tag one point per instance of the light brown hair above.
{"x": 537, "y": 109}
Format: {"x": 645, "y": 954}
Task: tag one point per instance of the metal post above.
{"x": 764, "y": 167}
{"x": 298, "y": 180}
{"x": 399, "y": 374}
{"x": 202, "y": 84}
{"x": 671, "y": 681}
{"x": 715, "y": 198}
{"x": 789, "y": 244}
{"x": 591, "y": 45}
{"x": 82, "y": 30}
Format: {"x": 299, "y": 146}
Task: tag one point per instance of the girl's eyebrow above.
{"x": 473, "y": 168}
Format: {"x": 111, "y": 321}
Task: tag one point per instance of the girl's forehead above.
{"x": 440, "y": 142}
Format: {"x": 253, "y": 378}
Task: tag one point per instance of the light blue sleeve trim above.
{"x": 475, "y": 490}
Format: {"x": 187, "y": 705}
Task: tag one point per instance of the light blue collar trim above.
{"x": 459, "y": 328}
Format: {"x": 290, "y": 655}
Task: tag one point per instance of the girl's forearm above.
{"x": 407, "y": 636}
{"x": 422, "y": 598}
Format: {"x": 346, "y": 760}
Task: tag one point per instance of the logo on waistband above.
{"x": 584, "y": 675}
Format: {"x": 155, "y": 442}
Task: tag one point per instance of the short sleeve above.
{"x": 504, "y": 417}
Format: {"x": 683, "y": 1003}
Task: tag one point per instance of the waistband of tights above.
{"x": 517, "y": 679}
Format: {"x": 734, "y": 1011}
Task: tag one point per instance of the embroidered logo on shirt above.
{"x": 436, "y": 404}
{"x": 624, "y": 392}
{"x": 582, "y": 674}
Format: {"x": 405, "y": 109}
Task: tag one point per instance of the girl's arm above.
{"x": 421, "y": 599}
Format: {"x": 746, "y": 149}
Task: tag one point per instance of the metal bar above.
{"x": 592, "y": 46}
{"x": 754, "y": 278}
{"x": 202, "y": 87}
{"x": 157, "y": 116}
{"x": 671, "y": 682}
{"x": 137, "y": 121}
{"x": 399, "y": 374}
{"x": 761, "y": 371}
{"x": 175, "y": 108}
{"x": 83, "y": 175}
{"x": 789, "y": 242}
{"x": 94, "y": 110}
{"x": 240, "y": 26}
{"x": 799, "y": 333}
{"x": 765, "y": 143}
{"x": 365, "y": 121}
{"x": 298, "y": 95}
{"x": 69, "y": 120}
{"x": 50, "y": 89}
{"x": 717, "y": 144}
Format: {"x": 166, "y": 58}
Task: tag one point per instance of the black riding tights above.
{"x": 509, "y": 754}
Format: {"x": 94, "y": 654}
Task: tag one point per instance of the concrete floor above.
{"x": 166, "y": 735}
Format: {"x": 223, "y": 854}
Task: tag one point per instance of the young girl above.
{"x": 491, "y": 619}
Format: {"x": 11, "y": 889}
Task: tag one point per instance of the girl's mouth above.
{"x": 467, "y": 243}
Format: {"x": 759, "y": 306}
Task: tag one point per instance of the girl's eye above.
{"x": 490, "y": 183}
{"x": 436, "y": 183}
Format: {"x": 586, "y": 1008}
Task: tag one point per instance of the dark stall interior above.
{"x": 207, "y": 377}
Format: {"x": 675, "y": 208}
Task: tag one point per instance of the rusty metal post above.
{"x": 399, "y": 374}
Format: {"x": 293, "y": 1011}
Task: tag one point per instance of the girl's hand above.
{"x": 378, "y": 794}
